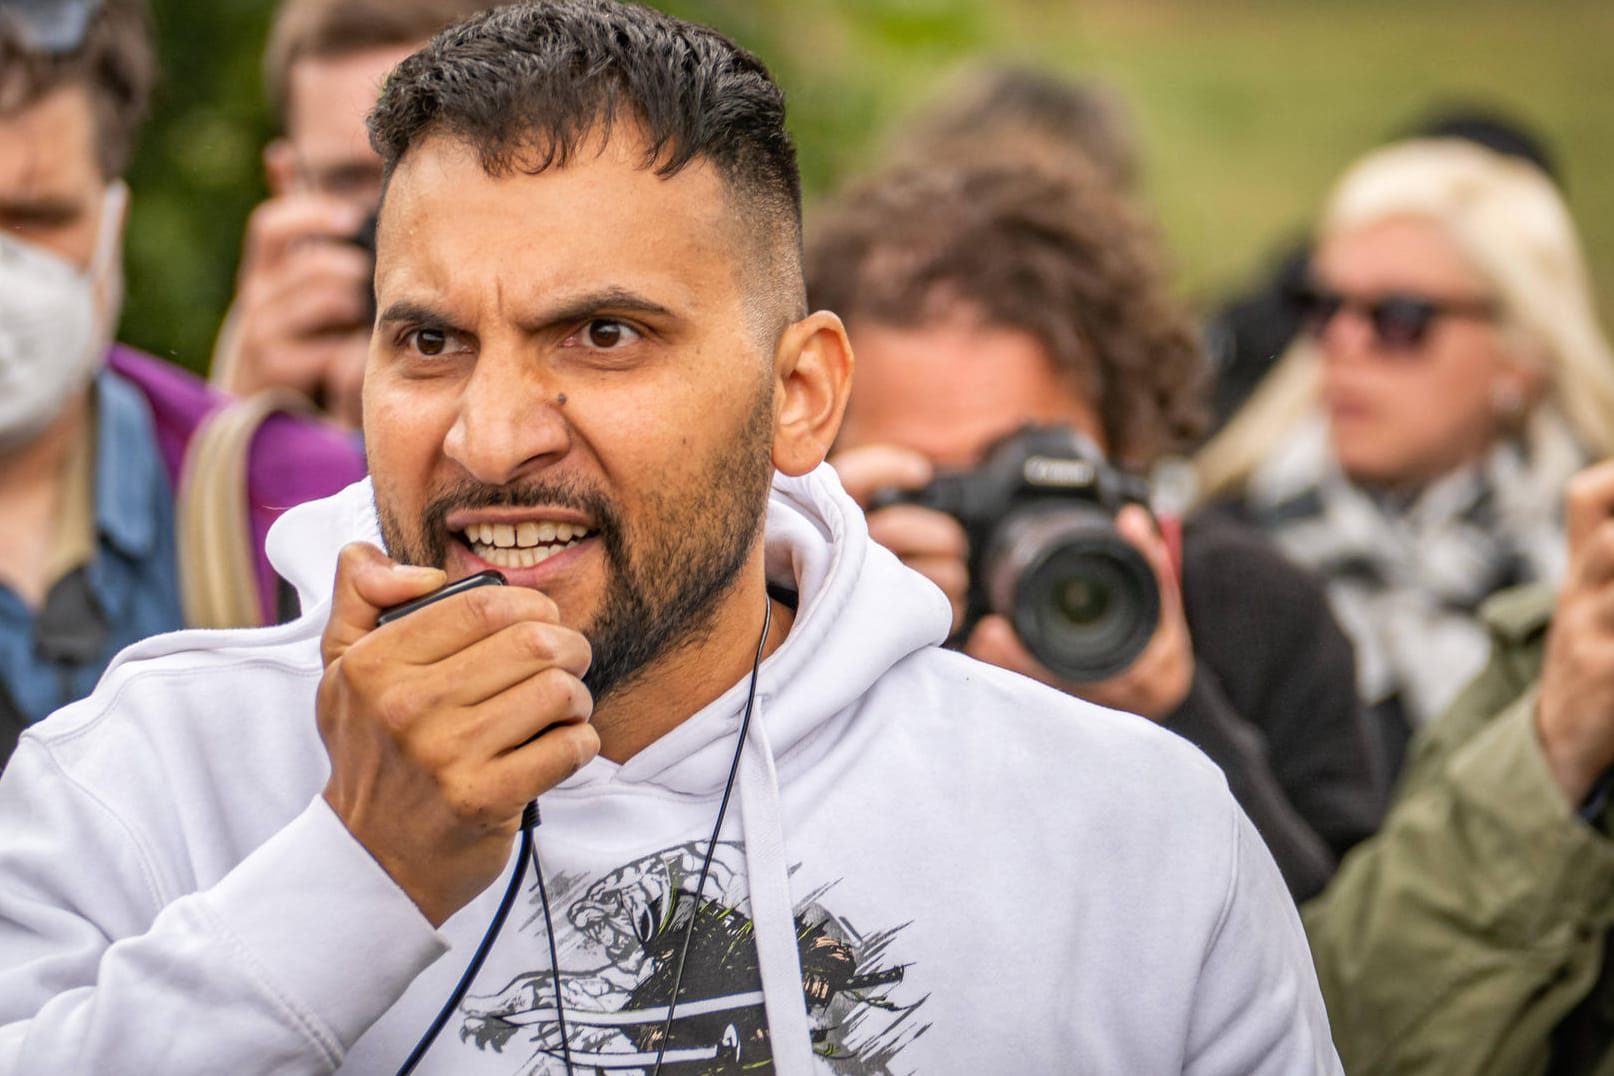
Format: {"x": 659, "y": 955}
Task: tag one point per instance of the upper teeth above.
{"x": 522, "y": 535}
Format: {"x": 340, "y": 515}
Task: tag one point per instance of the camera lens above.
{"x": 1083, "y": 601}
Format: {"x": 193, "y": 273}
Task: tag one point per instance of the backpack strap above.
{"x": 217, "y": 555}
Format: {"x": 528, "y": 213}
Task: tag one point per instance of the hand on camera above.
{"x": 301, "y": 315}
{"x": 443, "y": 725}
{"x": 934, "y": 544}
{"x": 1157, "y": 682}
{"x": 1575, "y": 714}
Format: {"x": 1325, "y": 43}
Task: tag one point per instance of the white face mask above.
{"x": 56, "y": 322}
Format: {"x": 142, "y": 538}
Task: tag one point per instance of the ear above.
{"x": 280, "y": 167}
{"x": 813, "y": 372}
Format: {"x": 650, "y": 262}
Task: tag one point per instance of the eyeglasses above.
{"x": 54, "y": 27}
{"x": 1401, "y": 321}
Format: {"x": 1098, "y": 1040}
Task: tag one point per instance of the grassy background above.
{"x": 1247, "y": 109}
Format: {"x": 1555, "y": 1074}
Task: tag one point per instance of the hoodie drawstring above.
{"x": 773, "y": 915}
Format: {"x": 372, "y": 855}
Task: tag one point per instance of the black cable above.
{"x": 711, "y": 845}
{"x": 529, "y": 821}
{"x": 526, "y": 855}
{"x": 554, "y": 959}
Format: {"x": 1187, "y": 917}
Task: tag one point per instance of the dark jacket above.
{"x": 1274, "y": 700}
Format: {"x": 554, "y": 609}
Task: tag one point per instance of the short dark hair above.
{"x": 1052, "y": 251}
{"x": 524, "y": 85}
{"x": 114, "y": 60}
{"x": 329, "y": 29}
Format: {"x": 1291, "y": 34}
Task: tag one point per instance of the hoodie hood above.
{"x": 859, "y": 611}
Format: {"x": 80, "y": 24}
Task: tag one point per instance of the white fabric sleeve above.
{"x": 1258, "y": 1010}
{"x": 101, "y": 971}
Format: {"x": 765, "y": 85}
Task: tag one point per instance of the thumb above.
{"x": 367, "y": 581}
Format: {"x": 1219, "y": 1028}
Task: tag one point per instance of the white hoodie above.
{"x": 959, "y": 870}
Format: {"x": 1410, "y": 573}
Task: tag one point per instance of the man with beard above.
{"x": 593, "y": 371}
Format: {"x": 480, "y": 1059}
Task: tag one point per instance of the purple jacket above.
{"x": 293, "y": 459}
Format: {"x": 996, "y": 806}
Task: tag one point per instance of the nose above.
{"x": 509, "y": 421}
{"x": 1348, "y": 335}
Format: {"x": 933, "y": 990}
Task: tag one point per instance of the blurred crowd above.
{"x": 1350, "y": 533}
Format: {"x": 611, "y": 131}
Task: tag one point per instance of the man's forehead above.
{"x": 610, "y": 174}
{"x": 602, "y": 219}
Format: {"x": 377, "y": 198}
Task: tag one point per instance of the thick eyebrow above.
{"x": 574, "y": 308}
{"x": 570, "y": 309}
{"x": 408, "y": 310}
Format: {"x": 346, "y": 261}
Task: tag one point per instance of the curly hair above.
{"x": 1051, "y": 251}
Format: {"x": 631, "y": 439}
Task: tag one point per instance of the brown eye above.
{"x": 606, "y": 334}
{"x": 430, "y": 341}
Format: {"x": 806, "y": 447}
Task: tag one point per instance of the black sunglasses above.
{"x": 54, "y": 27}
{"x": 1401, "y": 321}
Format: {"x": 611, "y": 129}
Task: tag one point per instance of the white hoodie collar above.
{"x": 860, "y": 611}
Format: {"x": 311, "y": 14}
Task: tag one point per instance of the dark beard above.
{"x": 663, "y": 589}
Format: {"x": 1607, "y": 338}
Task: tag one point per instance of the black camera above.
{"x": 1044, "y": 552}
{"x": 364, "y": 239}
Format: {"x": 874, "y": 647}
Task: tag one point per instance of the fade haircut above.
{"x": 331, "y": 29}
{"x": 1054, "y": 252}
{"x": 525, "y": 87}
{"x": 114, "y": 60}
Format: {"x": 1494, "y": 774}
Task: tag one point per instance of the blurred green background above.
{"x": 1247, "y": 110}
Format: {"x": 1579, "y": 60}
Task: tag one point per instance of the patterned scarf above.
{"x": 1405, "y": 576}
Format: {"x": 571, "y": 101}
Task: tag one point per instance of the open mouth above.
{"x": 522, "y": 545}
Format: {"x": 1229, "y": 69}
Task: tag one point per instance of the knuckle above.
{"x": 554, "y": 684}
{"x": 484, "y": 609}
{"x": 352, "y": 558}
{"x": 536, "y": 640}
{"x": 582, "y": 701}
{"x": 396, "y": 709}
{"x": 583, "y": 744}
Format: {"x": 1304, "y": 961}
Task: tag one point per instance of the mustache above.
{"x": 543, "y": 493}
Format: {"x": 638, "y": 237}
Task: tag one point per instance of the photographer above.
{"x": 981, "y": 297}
{"x": 302, "y": 310}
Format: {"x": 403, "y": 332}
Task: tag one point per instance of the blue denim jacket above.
{"x": 128, "y": 590}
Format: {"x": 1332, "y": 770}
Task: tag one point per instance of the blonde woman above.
{"x": 1413, "y": 445}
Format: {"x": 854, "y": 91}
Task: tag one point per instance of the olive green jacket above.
{"x": 1468, "y": 936}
